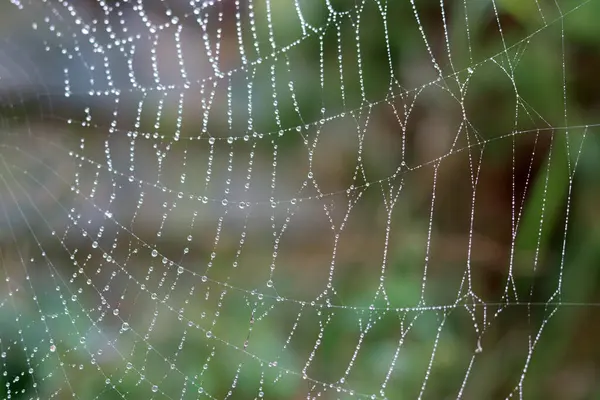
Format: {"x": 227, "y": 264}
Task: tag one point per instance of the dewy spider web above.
{"x": 206, "y": 199}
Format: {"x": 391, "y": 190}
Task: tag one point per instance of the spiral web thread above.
{"x": 205, "y": 134}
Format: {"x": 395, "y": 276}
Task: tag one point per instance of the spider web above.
{"x": 233, "y": 199}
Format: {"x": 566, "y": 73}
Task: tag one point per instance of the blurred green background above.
{"x": 454, "y": 142}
